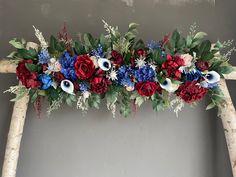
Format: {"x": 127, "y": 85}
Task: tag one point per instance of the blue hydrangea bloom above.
{"x": 67, "y": 66}
{"x": 193, "y": 75}
{"x": 44, "y": 56}
{"x": 145, "y": 73}
{"x": 98, "y": 52}
{"x": 83, "y": 87}
{"x": 46, "y": 81}
{"x": 153, "y": 45}
{"x": 124, "y": 76}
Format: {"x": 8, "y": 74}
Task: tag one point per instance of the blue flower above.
{"x": 153, "y": 45}
{"x": 67, "y": 66}
{"x": 44, "y": 56}
{"x": 98, "y": 52}
{"x": 193, "y": 75}
{"x": 46, "y": 81}
{"x": 124, "y": 74}
{"x": 83, "y": 87}
{"x": 145, "y": 73}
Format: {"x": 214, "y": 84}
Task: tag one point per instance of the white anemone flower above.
{"x": 67, "y": 86}
{"x": 169, "y": 86}
{"x": 212, "y": 77}
{"x": 104, "y": 64}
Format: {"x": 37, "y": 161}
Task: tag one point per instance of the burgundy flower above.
{"x": 99, "y": 85}
{"x": 84, "y": 67}
{"x": 59, "y": 76}
{"x": 117, "y": 58}
{"x": 146, "y": 88}
{"x": 190, "y": 91}
{"x": 141, "y": 52}
{"x": 202, "y": 65}
{"x": 172, "y": 65}
{"x": 27, "y": 78}
{"x": 76, "y": 86}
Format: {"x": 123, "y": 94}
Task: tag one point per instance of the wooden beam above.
{"x": 6, "y": 66}
{"x": 228, "y": 117}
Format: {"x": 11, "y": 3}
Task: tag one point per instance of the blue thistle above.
{"x": 98, "y": 52}
{"x": 153, "y": 45}
{"x": 44, "y": 56}
{"x": 83, "y": 87}
{"x": 145, "y": 73}
{"x": 193, "y": 75}
{"x": 67, "y": 66}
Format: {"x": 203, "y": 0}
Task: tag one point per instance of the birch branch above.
{"x": 228, "y": 117}
{"x": 14, "y": 137}
{"x": 231, "y": 76}
{"x": 16, "y": 126}
{"x": 6, "y": 66}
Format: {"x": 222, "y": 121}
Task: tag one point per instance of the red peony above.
{"x": 59, "y": 76}
{"x": 172, "y": 65}
{"x": 190, "y": 91}
{"x": 27, "y": 78}
{"x": 202, "y": 65}
{"x": 117, "y": 58}
{"x": 84, "y": 67}
{"x": 146, "y": 88}
{"x": 99, "y": 85}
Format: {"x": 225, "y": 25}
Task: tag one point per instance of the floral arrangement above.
{"x": 122, "y": 70}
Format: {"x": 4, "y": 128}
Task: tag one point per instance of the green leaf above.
{"x": 133, "y": 26}
{"x": 16, "y": 43}
{"x": 12, "y": 54}
{"x": 189, "y": 41}
{"x": 200, "y": 35}
{"x": 139, "y": 45}
{"x": 226, "y": 69}
{"x": 157, "y": 56}
{"x": 204, "y": 49}
{"x": 27, "y": 54}
{"x": 125, "y": 110}
{"x": 53, "y": 43}
{"x": 139, "y": 100}
{"x": 175, "y": 38}
{"x": 79, "y": 48}
{"x": 89, "y": 41}
{"x": 33, "y": 67}
{"x": 94, "y": 101}
{"x": 210, "y": 106}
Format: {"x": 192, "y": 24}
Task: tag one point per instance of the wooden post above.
{"x": 17, "y": 124}
{"x": 228, "y": 117}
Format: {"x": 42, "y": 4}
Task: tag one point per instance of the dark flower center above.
{"x": 209, "y": 76}
{"x": 66, "y": 84}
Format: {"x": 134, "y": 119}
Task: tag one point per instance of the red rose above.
{"x": 59, "y": 76}
{"x": 99, "y": 85}
{"x": 202, "y": 65}
{"x": 141, "y": 53}
{"x": 27, "y": 78}
{"x": 172, "y": 65}
{"x": 190, "y": 91}
{"x": 117, "y": 57}
{"x": 84, "y": 67}
{"x": 146, "y": 88}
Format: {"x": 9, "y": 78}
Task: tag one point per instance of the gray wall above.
{"x": 145, "y": 144}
